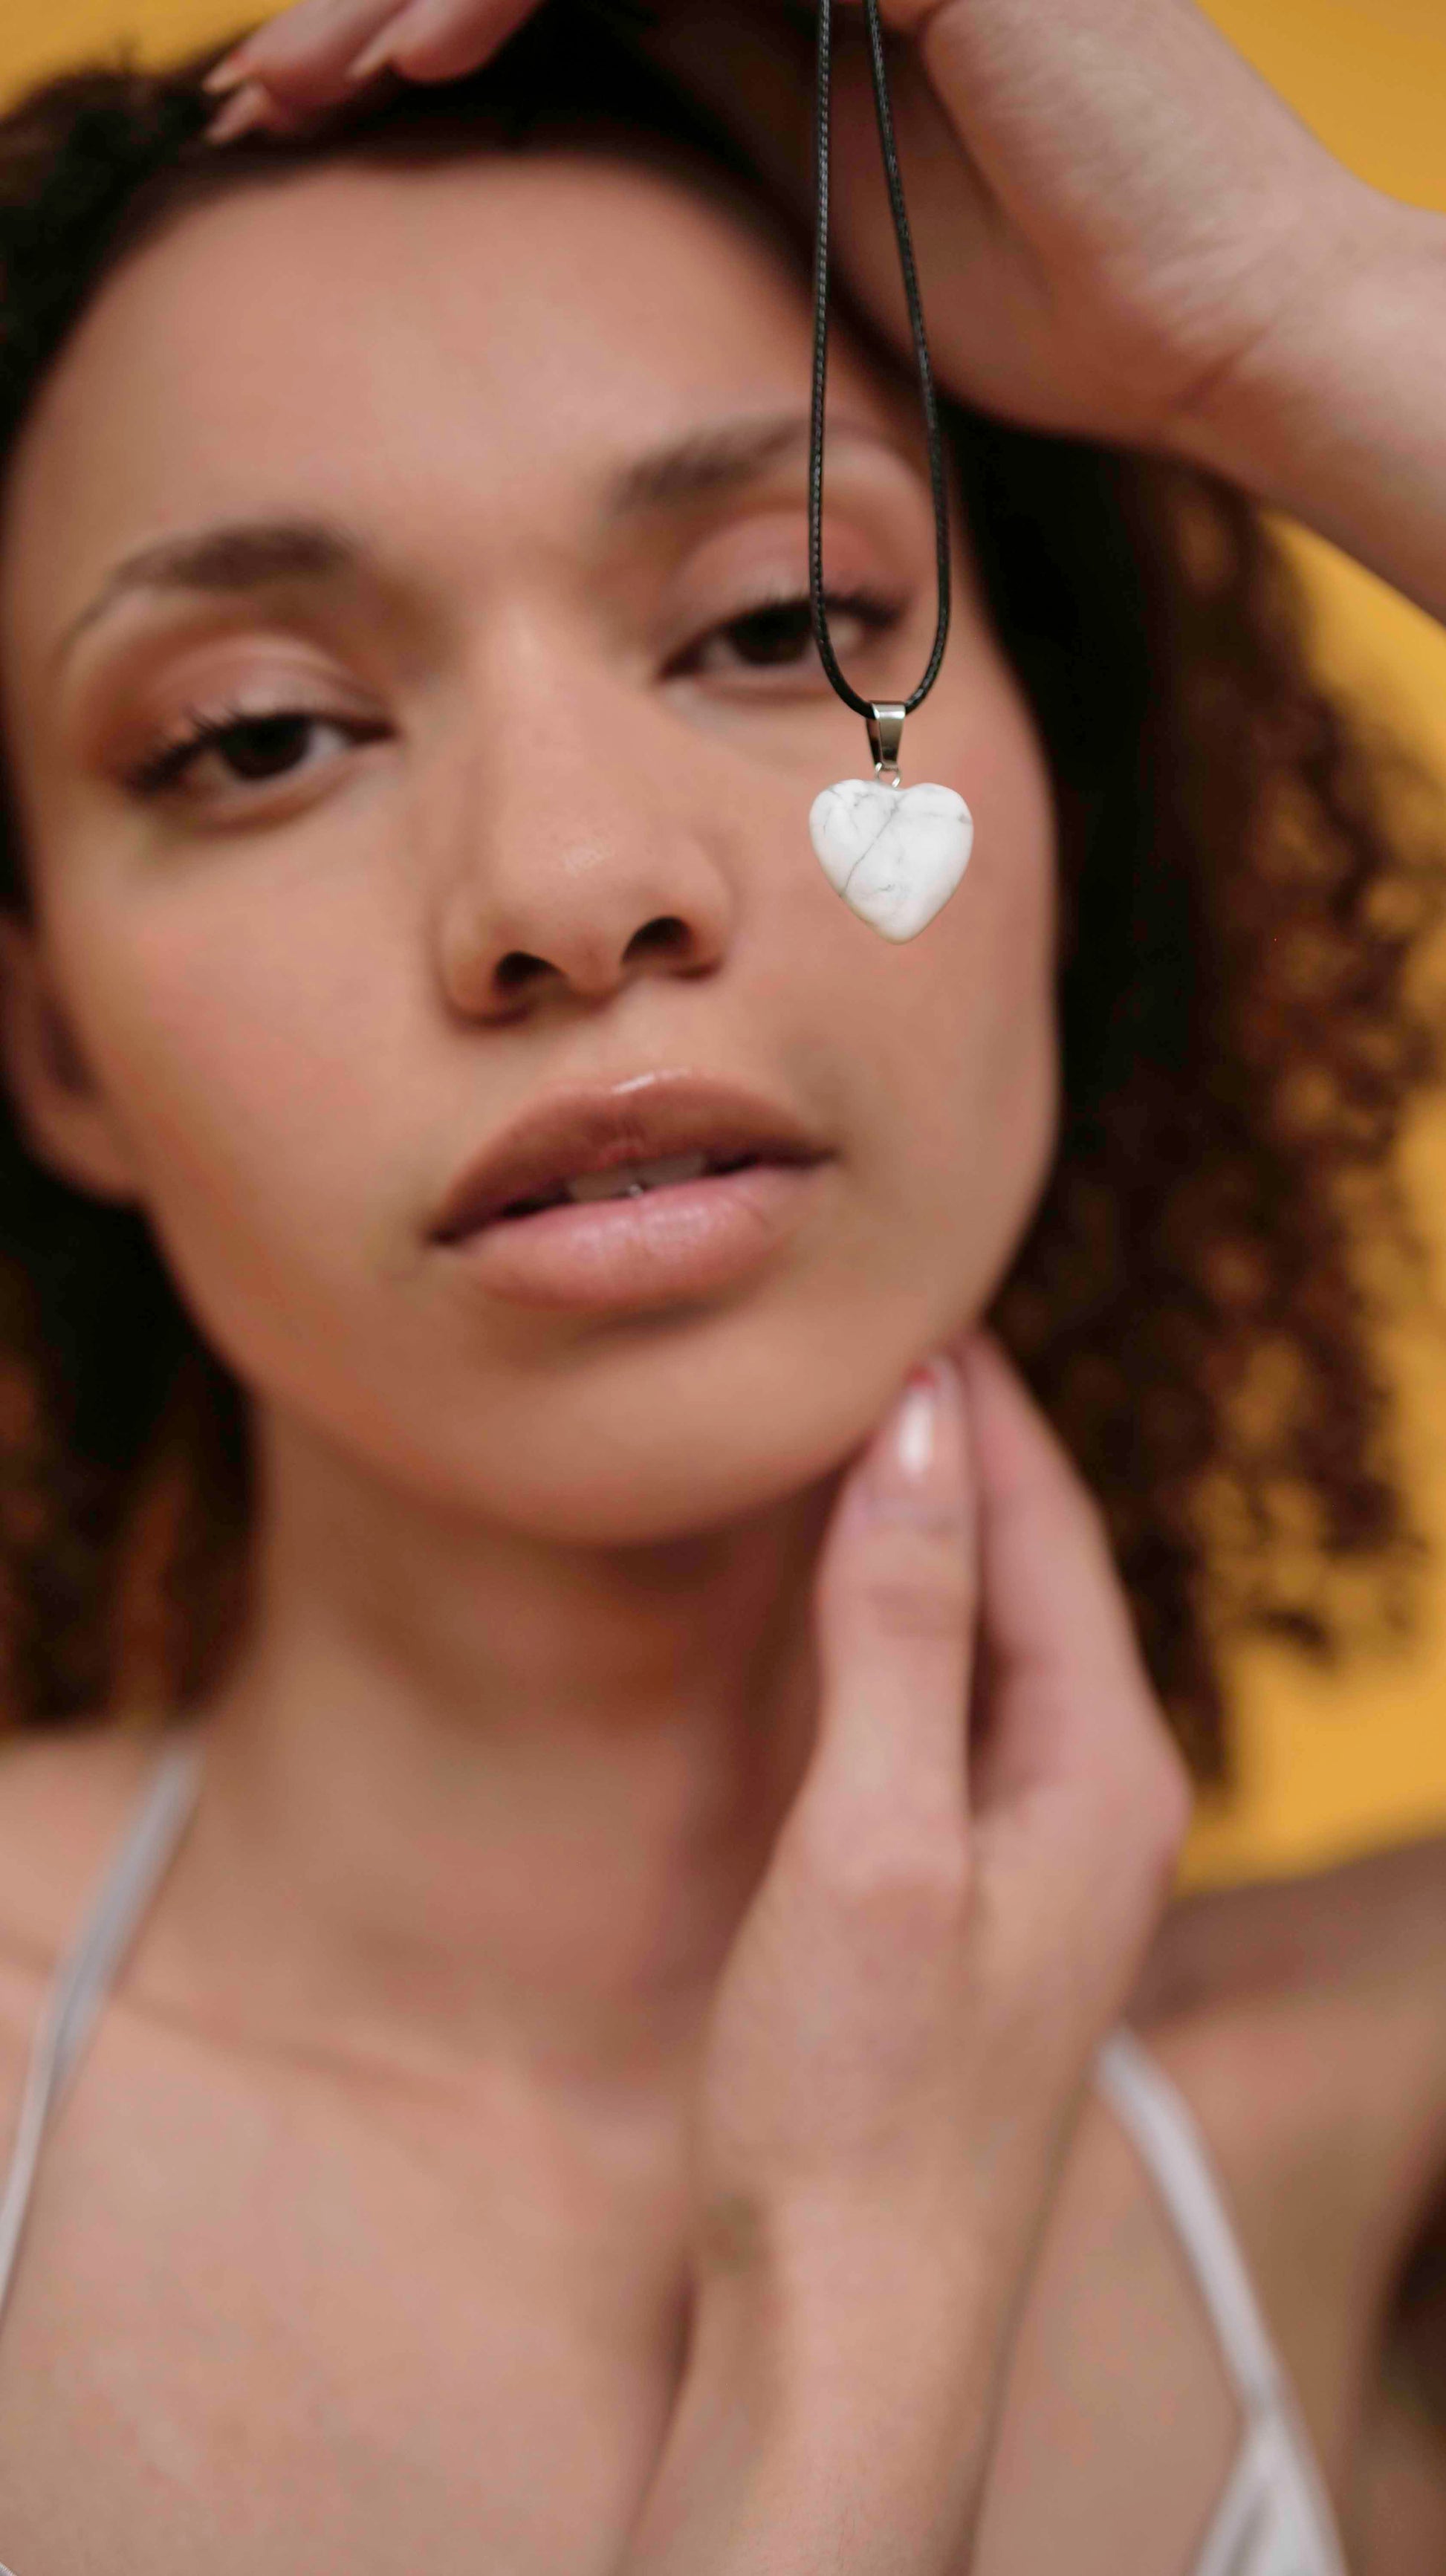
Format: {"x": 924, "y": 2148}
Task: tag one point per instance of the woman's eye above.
{"x": 778, "y": 635}
{"x": 244, "y": 750}
{"x": 781, "y": 633}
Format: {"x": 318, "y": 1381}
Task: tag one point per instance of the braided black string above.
{"x": 933, "y": 434}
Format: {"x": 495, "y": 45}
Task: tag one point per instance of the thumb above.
{"x": 897, "y": 1591}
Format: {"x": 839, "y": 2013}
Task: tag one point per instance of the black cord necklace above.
{"x": 894, "y": 854}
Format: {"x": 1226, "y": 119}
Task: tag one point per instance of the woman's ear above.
{"x": 62, "y": 1111}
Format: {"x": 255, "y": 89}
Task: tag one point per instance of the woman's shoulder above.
{"x": 1311, "y": 2006}
{"x": 1376, "y": 1916}
{"x": 1304, "y": 2020}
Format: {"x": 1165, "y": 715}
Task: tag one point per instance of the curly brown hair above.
{"x": 1246, "y": 888}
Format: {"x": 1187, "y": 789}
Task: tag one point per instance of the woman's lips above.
{"x": 687, "y": 1239}
{"x": 530, "y": 1220}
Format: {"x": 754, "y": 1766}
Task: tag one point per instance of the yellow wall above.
{"x": 1329, "y": 1765}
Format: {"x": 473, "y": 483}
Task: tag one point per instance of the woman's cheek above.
{"x": 240, "y": 1028}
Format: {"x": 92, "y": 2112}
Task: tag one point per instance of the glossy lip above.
{"x": 638, "y": 1121}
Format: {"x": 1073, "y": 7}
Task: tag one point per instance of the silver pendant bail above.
{"x": 886, "y": 731}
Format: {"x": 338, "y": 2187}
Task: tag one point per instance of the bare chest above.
{"x": 282, "y": 2338}
{"x": 279, "y": 2339}
{"x": 289, "y": 2332}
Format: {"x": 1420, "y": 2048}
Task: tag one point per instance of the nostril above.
{"x": 518, "y": 969}
{"x": 518, "y": 975}
{"x": 667, "y": 936}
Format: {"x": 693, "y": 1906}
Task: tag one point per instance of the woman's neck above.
{"x": 468, "y": 1793}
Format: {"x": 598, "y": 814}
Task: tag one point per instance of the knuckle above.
{"x": 907, "y": 1875}
{"x": 918, "y": 1593}
{"x": 914, "y": 1613}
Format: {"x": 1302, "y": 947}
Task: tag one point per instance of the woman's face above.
{"x": 472, "y": 498}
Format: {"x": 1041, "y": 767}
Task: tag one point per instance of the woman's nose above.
{"x": 576, "y": 864}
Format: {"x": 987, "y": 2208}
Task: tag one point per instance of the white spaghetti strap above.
{"x": 1174, "y": 2152}
{"x": 1275, "y": 2517}
{"x": 85, "y": 1978}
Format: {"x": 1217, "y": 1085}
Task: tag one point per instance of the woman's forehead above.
{"x": 502, "y": 327}
{"x": 515, "y": 343}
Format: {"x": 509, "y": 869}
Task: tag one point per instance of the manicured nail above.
{"x": 374, "y": 57}
{"x": 914, "y": 1458}
{"x": 250, "y": 106}
{"x": 231, "y": 71}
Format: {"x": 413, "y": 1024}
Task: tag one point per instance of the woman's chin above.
{"x": 633, "y": 1441}
{"x": 708, "y": 1434}
{"x": 581, "y": 1475}
{"x": 659, "y": 1495}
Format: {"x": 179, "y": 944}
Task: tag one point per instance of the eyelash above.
{"x": 874, "y": 613}
{"x": 207, "y": 729}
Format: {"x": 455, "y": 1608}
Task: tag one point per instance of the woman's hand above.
{"x": 1111, "y": 212}
{"x": 1122, "y": 232}
{"x": 1110, "y": 209}
{"x": 950, "y": 1920}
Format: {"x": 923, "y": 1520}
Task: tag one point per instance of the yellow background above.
{"x": 1335, "y": 1764}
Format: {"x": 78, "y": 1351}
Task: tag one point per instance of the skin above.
{"x": 481, "y": 828}
{"x": 555, "y": 1811}
{"x": 544, "y": 1653}
{"x": 1125, "y": 232}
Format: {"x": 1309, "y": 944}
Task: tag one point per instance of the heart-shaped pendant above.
{"x": 894, "y": 853}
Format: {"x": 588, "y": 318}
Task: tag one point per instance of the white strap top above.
{"x": 1274, "y": 2518}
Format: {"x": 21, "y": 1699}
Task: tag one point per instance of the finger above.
{"x": 1072, "y": 1710}
{"x": 1095, "y": 123}
{"x": 896, "y": 1606}
{"x": 306, "y": 49}
{"x": 251, "y": 109}
{"x": 318, "y": 53}
{"x": 440, "y": 40}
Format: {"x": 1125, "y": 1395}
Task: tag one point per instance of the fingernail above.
{"x": 249, "y": 107}
{"x": 231, "y": 70}
{"x": 909, "y": 1458}
{"x": 373, "y": 57}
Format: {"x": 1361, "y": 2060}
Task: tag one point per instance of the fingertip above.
{"x": 378, "y": 56}
{"x": 983, "y": 1362}
{"x": 247, "y": 108}
{"x": 1020, "y": 1451}
{"x": 910, "y": 1469}
{"x": 914, "y": 1462}
{"x": 1010, "y": 1435}
{"x": 229, "y": 73}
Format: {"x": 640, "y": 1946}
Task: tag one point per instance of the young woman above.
{"x": 637, "y": 1809}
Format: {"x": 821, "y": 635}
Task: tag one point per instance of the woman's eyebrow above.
{"x": 245, "y": 555}
{"x": 236, "y": 557}
{"x": 712, "y": 462}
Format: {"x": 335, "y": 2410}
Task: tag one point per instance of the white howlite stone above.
{"x": 894, "y": 853}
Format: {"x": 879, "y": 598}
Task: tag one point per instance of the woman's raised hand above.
{"x": 1122, "y": 232}
{"x": 951, "y": 1917}
{"x": 1120, "y": 229}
